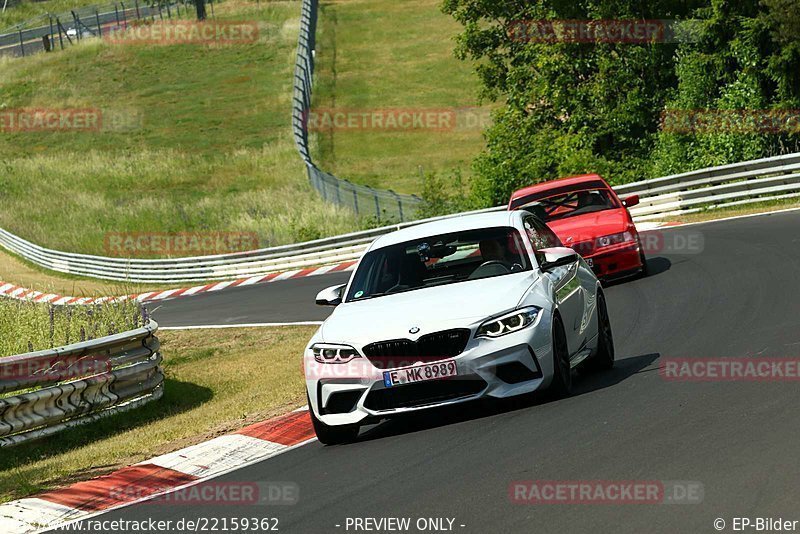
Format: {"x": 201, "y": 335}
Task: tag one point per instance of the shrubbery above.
{"x": 573, "y": 108}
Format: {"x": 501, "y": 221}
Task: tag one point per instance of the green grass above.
{"x": 209, "y": 390}
{"x": 373, "y": 54}
{"x": 210, "y": 149}
{"x": 26, "y": 327}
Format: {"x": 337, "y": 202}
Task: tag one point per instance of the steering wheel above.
{"x": 396, "y": 287}
{"x": 480, "y": 271}
{"x": 493, "y": 262}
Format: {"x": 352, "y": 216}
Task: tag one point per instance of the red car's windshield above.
{"x": 568, "y": 203}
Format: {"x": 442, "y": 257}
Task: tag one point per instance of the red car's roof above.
{"x": 553, "y": 184}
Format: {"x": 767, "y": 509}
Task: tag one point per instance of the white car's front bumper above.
{"x": 514, "y": 364}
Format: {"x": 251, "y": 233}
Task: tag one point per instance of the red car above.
{"x": 588, "y": 216}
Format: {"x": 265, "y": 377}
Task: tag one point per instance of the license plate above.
{"x": 420, "y": 373}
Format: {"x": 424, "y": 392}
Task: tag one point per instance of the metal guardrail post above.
{"x": 50, "y": 22}
{"x": 60, "y": 29}
{"x": 76, "y": 21}
{"x": 399, "y": 204}
{"x": 21, "y": 43}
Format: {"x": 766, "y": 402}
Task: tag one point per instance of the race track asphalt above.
{"x": 277, "y": 302}
{"x": 737, "y": 298}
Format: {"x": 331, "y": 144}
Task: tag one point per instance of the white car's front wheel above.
{"x": 561, "y": 386}
{"x": 332, "y": 435}
{"x": 603, "y": 357}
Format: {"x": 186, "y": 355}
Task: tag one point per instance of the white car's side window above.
{"x": 540, "y": 237}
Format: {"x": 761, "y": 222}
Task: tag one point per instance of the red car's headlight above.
{"x": 614, "y": 239}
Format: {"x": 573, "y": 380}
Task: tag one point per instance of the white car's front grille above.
{"x": 430, "y": 347}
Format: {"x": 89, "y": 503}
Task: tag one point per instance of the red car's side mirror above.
{"x": 630, "y": 201}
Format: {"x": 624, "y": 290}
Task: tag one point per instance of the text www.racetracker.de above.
{"x": 199, "y": 524}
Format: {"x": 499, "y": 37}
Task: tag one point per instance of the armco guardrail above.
{"x": 384, "y": 205}
{"x": 728, "y": 185}
{"x": 45, "y": 392}
{"x": 751, "y": 181}
{"x": 204, "y": 268}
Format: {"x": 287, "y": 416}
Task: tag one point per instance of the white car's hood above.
{"x": 431, "y": 309}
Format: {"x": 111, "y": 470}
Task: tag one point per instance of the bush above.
{"x": 444, "y": 195}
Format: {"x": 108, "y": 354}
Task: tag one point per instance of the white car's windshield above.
{"x": 438, "y": 260}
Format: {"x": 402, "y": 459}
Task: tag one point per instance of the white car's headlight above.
{"x": 333, "y": 353}
{"x": 613, "y": 239}
{"x": 511, "y": 322}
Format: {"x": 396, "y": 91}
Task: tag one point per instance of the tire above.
{"x": 332, "y": 435}
{"x": 644, "y": 272}
{"x": 603, "y": 357}
{"x": 561, "y": 386}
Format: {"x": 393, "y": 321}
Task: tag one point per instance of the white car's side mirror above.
{"x": 331, "y": 296}
{"x": 557, "y": 257}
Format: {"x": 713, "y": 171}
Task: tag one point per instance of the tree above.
{"x": 570, "y": 107}
{"x": 745, "y": 70}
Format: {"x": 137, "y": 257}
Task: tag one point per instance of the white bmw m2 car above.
{"x": 487, "y": 305}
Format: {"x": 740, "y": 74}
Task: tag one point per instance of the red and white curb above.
{"x": 158, "y": 476}
{"x": 20, "y": 293}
